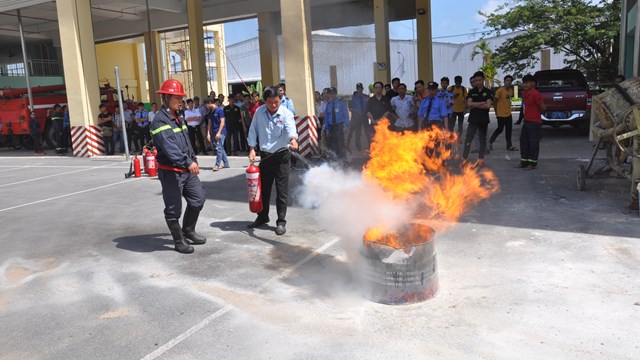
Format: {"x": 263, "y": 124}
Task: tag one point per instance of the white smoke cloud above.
{"x": 347, "y": 205}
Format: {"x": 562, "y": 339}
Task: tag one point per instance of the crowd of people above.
{"x": 432, "y": 104}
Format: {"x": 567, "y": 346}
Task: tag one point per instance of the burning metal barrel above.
{"x": 401, "y": 268}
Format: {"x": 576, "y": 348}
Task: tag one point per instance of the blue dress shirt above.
{"x": 438, "y": 109}
{"x": 342, "y": 114}
{"x": 273, "y": 132}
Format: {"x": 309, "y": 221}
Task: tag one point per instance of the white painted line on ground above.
{"x": 206, "y": 321}
{"x": 70, "y": 194}
{"x": 50, "y": 176}
{"x": 14, "y": 168}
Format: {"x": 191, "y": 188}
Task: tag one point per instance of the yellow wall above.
{"x": 126, "y": 57}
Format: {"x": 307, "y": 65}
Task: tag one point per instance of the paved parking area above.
{"x": 87, "y": 271}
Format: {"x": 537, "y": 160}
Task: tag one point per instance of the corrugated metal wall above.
{"x": 354, "y": 58}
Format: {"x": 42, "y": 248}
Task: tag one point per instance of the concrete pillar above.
{"x": 333, "y": 75}
{"x": 269, "y": 53}
{"x": 80, "y": 72}
{"x": 383, "y": 57}
{"x": 424, "y": 38}
{"x": 196, "y": 48}
{"x": 298, "y": 60}
{"x": 636, "y": 44}
{"x": 545, "y": 59}
{"x": 221, "y": 61}
{"x": 154, "y": 64}
{"x": 143, "y": 87}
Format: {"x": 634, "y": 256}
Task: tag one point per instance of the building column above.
{"x": 636, "y": 44}
{"x": 424, "y": 38}
{"x": 221, "y": 60}
{"x": 143, "y": 88}
{"x": 154, "y": 64}
{"x": 383, "y": 57}
{"x": 80, "y": 75}
{"x": 269, "y": 53}
{"x": 298, "y": 67}
{"x": 196, "y": 48}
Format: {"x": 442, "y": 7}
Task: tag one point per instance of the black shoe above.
{"x": 258, "y": 222}
{"x": 490, "y": 146}
{"x": 189, "y": 226}
{"x": 522, "y": 166}
{"x": 280, "y": 229}
{"x": 178, "y": 238}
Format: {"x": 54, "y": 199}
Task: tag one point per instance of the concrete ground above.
{"x": 87, "y": 271}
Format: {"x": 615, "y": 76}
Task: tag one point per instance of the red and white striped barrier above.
{"x": 87, "y": 142}
{"x": 307, "y": 136}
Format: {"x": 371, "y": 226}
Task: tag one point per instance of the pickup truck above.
{"x": 567, "y": 97}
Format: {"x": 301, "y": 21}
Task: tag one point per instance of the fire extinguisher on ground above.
{"x": 136, "y": 167}
{"x": 254, "y": 188}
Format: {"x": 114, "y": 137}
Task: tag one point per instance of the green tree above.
{"x": 586, "y": 30}
{"x": 488, "y": 67}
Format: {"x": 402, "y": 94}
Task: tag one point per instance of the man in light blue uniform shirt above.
{"x": 336, "y": 120}
{"x": 433, "y": 110}
{"x": 274, "y": 128}
{"x": 286, "y": 101}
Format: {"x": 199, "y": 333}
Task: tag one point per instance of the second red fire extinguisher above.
{"x": 254, "y": 188}
{"x": 150, "y": 163}
{"x": 136, "y": 167}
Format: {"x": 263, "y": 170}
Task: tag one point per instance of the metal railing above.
{"x": 37, "y": 67}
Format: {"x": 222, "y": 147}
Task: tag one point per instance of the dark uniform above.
{"x": 478, "y": 121}
{"x": 175, "y": 155}
{"x": 57, "y": 123}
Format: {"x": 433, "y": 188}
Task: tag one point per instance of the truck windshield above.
{"x": 560, "y": 81}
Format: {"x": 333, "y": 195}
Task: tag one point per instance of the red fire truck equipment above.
{"x": 14, "y": 111}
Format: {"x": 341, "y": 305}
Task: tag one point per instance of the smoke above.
{"x": 348, "y": 205}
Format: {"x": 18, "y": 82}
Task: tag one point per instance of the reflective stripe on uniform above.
{"x": 168, "y": 127}
{"x": 161, "y": 128}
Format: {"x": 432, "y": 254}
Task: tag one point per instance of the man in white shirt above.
{"x": 193, "y": 118}
{"x": 403, "y": 108}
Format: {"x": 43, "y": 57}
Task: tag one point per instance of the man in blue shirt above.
{"x": 358, "y": 106}
{"x": 274, "y": 128}
{"x": 336, "y": 119}
{"x": 142, "y": 120}
{"x": 286, "y": 101}
{"x": 217, "y": 131}
{"x": 433, "y": 110}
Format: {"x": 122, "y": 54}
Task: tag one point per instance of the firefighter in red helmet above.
{"x": 177, "y": 169}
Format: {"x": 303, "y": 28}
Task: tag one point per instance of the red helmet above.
{"x": 172, "y": 87}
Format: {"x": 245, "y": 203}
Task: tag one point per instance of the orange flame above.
{"x": 417, "y": 165}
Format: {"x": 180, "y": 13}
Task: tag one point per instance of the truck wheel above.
{"x": 49, "y": 137}
{"x": 582, "y": 178}
{"x": 27, "y": 142}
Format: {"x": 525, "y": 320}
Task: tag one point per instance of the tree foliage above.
{"x": 488, "y": 66}
{"x": 588, "y": 31}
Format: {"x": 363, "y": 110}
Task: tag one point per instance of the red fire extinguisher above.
{"x": 254, "y": 188}
{"x": 136, "y": 167}
{"x": 150, "y": 163}
{"x": 145, "y": 152}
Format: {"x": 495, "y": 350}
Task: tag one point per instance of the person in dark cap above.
{"x": 358, "y": 107}
{"x": 335, "y": 122}
{"x": 433, "y": 109}
{"x": 530, "y": 135}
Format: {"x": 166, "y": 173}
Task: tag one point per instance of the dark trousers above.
{"x": 37, "y": 141}
{"x": 109, "y": 145}
{"x": 506, "y": 124}
{"x": 236, "y": 140}
{"x": 459, "y": 116}
{"x": 65, "y": 137}
{"x": 57, "y": 133}
{"x": 336, "y": 140}
{"x": 196, "y": 134}
{"x": 471, "y": 133}
{"x": 369, "y": 130}
{"x": 275, "y": 168}
{"x": 175, "y": 185}
{"x": 530, "y": 143}
{"x": 144, "y": 136}
{"x": 355, "y": 129}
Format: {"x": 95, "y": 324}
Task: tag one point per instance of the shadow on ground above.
{"x": 145, "y": 243}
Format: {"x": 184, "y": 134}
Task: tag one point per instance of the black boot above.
{"x": 178, "y": 239}
{"x": 189, "y": 226}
